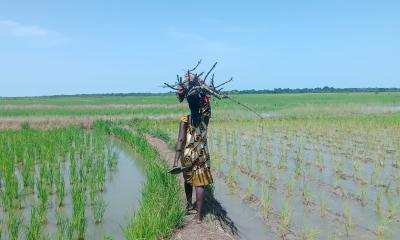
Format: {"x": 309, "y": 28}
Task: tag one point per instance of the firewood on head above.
{"x": 195, "y": 87}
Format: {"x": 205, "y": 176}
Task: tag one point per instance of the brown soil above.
{"x": 44, "y": 122}
{"x": 216, "y": 224}
{"x": 90, "y": 107}
{"x": 50, "y": 122}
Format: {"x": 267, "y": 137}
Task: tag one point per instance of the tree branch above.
{"x": 230, "y": 80}
{"x": 173, "y": 87}
{"x": 198, "y": 63}
{"x": 205, "y": 78}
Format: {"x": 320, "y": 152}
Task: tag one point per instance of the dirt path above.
{"x": 216, "y": 224}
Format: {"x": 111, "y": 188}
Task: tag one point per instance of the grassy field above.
{"x": 322, "y": 165}
{"x": 161, "y": 105}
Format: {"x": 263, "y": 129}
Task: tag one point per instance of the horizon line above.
{"x": 325, "y": 89}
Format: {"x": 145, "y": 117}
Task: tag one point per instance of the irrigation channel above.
{"x": 90, "y": 191}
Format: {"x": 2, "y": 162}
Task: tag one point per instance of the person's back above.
{"x": 192, "y": 149}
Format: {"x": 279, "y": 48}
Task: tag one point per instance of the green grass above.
{"x": 91, "y": 100}
{"x": 289, "y": 104}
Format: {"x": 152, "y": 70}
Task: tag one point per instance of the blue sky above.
{"x": 103, "y": 47}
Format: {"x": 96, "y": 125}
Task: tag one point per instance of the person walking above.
{"x": 191, "y": 148}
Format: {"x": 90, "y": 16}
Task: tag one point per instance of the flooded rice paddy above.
{"x": 90, "y": 191}
{"x": 308, "y": 179}
{"x": 315, "y": 182}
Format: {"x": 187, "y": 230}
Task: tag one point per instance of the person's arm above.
{"x": 180, "y": 145}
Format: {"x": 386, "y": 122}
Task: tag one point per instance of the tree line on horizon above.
{"x": 314, "y": 90}
{"x": 325, "y": 89}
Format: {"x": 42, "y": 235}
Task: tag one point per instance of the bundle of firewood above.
{"x": 194, "y": 84}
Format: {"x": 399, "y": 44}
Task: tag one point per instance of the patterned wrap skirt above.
{"x": 201, "y": 176}
{"x": 196, "y": 154}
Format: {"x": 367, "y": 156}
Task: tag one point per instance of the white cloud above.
{"x": 15, "y": 29}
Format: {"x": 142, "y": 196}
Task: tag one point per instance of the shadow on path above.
{"x": 190, "y": 229}
{"x": 213, "y": 206}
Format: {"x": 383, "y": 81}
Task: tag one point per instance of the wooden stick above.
{"x": 210, "y": 71}
{"x": 198, "y": 63}
{"x": 245, "y": 106}
{"x": 171, "y": 86}
{"x": 230, "y": 80}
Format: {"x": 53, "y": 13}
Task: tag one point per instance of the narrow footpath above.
{"x": 216, "y": 224}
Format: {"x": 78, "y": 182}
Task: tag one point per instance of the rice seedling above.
{"x": 283, "y": 162}
{"x": 65, "y": 229}
{"x": 289, "y": 187}
{"x": 98, "y": 209}
{"x": 10, "y": 186}
{"x": 363, "y": 195}
{"x": 347, "y": 219}
{"x": 33, "y": 230}
{"x": 391, "y": 208}
{"x": 6, "y": 200}
{"x": 14, "y": 224}
{"x": 258, "y": 168}
{"x": 319, "y": 158}
{"x": 266, "y": 199}
{"x": 73, "y": 171}
{"x": 284, "y": 218}
{"x": 309, "y": 233}
{"x": 230, "y": 180}
{"x": 398, "y": 186}
{"x": 59, "y": 217}
{"x": 78, "y": 212}
{"x": 306, "y": 195}
{"x": 112, "y": 157}
{"x": 322, "y": 205}
{"x": 374, "y": 172}
{"x": 249, "y": 190}
{"x": 381, "y": 227}
{"x": 271, "y": 179}
{"x": 100, "y": 170}
{"x": 356, "y": 168}
{"x": 27, "y": 175}
{"x": 43, "y": 200}
{"x": 60, "y": 186}
{"x": 298, "y": 169}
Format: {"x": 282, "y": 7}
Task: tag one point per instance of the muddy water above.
{"x": 122, "y": 196}
{"x": 248, "y": 220}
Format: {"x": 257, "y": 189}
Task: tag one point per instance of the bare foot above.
{"x": 199, "y": 219}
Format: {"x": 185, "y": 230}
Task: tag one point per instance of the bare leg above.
{"x": 199, "y": 201}
{"x": 188, "y": 192}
